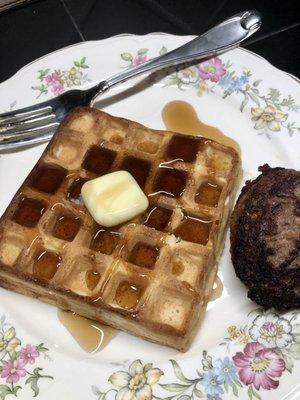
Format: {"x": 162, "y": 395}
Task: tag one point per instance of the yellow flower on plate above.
{"x": 201, "y": 88}
{"x": 73, "y": 71}
{"x": 243, "y": 338}
{"x": 269, "y": 116}
{"x": 8, "y": 342}
{"x": 233, "y": 332}
{"x": 136, "y": 384}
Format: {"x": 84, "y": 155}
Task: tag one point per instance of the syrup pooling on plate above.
{"x": 91, "y": 336}
{"x": 179, "y": 116}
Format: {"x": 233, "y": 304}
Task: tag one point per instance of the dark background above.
{"x": 33, "y": 30}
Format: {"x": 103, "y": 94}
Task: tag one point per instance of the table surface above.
{"x": 33, "y": 30}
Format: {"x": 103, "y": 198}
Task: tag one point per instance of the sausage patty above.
{"x": 265, "y": 238}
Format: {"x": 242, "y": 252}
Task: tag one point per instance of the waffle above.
{"x": 151, "y": 276}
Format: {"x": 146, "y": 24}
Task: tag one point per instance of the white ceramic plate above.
{"x": 240, "y": 351}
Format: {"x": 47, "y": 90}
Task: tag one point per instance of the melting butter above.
{"x": 114, "y": 198}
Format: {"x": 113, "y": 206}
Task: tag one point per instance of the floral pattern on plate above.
{"x": 254, "y": 359}
{"x": 16, "y": 361}
{"x": 57, "y": 81}
{"x": 269, "y": 111}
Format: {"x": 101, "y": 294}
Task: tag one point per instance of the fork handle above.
{"x": 225, "y": 36}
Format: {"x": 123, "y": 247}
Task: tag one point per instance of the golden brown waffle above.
{"x": 151, "y": 276}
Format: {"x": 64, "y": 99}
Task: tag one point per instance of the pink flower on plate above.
{"x": 28, "y": 354}
{"x": 13, "y": 371}
{"x": 212, "y": 69}
{"x": 139, "y": 59}
{"x": 57, "y": 88}
{"x": 52, "y": 79}
{"x": 258, "y": 365}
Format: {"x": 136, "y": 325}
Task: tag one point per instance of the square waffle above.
{"x": 151, "y": 276}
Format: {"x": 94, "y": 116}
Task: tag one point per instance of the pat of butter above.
{"x": 114, "y": 198}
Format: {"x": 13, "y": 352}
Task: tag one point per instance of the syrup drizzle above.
{"x": 180, "y": 116}
{"x": 91, "y": 336}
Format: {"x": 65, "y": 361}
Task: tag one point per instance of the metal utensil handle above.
{"x": 225, "y": 36}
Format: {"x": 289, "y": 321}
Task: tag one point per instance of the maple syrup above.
{"x": 128, "y": 295}
{"x": 144, "y": 255}
{"x": 91, "y": 336}
{"x": 180, "y": 116}
{"x": 48, "y": 178}
{"x": 193, "y": 229}
{"x": 99, "y": 160}
{"x": 66, "y": 227}
{"x": 46, "y": 264}
{"x": 208, "y": 194}
{"x": 29, "y": 212}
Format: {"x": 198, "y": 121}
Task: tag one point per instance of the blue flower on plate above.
{"x": 225, "y": 369}
{"x": 244, "y": 79}
{"x": 212, "y": 383}
{"x": 225, "y": 81}
{"x": 215, "y": 397}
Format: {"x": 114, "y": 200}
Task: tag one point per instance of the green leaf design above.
{"x": 126, "y": 57}
{"x": 234, "y": 389}
{"x": 254, "y": 98}
{"x": 77, "y": 64}
{"x": 6, "y": 390}
{"x": 296, "y": 333}
{"x": 142, "y": 51}
{"x": 179, "y": 374}
{"x": 96, "y": 391}
{"x": 256, "y": 83}
{"x": 254, "y": 90}
{"x": 198, "y": 393}
{"x": 250, "y": 392}
{"x": 289, "y": 363}
{"x": 163, "y": 50}
{"x": 33, "y": 380}
{"x": 226, "y": 386}
{"x": 174, "y": 387}
{"x": 255, "y": 394}
{"x": 43, "y": 73}
{"x": 244, "y": 102}
{"x": 274, "y": 94}
{"x": 184, "y": 397}
{"x": 206, "y": 361}
{"x": 41, "y": 348}
{"x": 13, "y": 355}
{"x": 238, "y": 383}
{"x": 294, "y": 351}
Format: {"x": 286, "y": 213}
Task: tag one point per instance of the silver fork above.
{"x": 37, "y": 123}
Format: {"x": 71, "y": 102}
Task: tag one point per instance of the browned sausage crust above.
{"x": 265, "y": 238}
